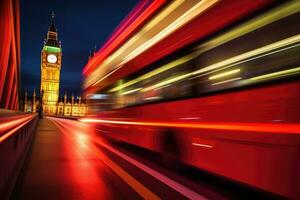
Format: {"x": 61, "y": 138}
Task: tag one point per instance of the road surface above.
{"x": 72, "y": 160}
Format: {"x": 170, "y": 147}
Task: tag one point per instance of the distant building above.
{"x": 75, "y": 107}
{"x": 30, "y": 105}
{"x": 51, "y": 57}
{"x": 50, "y": 69}
{"x": 64, "y": 107}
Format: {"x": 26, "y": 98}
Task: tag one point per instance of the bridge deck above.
{"x": 58, "y": 169}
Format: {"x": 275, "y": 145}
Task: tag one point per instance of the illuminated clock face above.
{"x": 51, "y": 58}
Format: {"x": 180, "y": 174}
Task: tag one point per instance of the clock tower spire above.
{"x": 51, "y": 56}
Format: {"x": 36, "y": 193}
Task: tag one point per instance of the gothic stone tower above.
{"x": 50, "y": 69}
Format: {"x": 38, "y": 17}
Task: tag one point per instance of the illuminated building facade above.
{"x": 65, "y": 107}
{"x": 51, "y": 59}
{"x": 31, "y": 105}
{"x": 73, "y": 107}
{"x": 50, "y": 69}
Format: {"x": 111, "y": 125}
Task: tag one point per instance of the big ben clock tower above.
{"x": 50, "y": 69}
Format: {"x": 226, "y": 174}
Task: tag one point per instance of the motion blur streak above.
{"x": 224, "y": 74}
{"x": 173, "y": 17}
{"x": 140, "y": 13}
{"x": 11, "y": 132}
{"x": 81, "y": 172}
{"x": 186, "y": 17}
{"x": 254, "y": 54}
{"x": 164, "y": 68}
{"x": 274, "y": 15}
{"x": 73, "y": 125}
{"x": 10, "y": 124}
{"x": 131, "y": 91}
{"x": 276, "y": 74}
{"x": 17, "y": 124}
{"x": 166, "y": 82}
{"x": 246, "y": 57}
{"x": 259, "y": 127}
{"x": 173, "y": 184}
{"x": 67, "y": 127}
{"x": 227, "y": 81}
{"x": 202, "y": 145}
{"x": 227, "y": 91}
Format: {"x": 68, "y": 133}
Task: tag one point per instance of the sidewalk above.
{"x": 58, "y": 170}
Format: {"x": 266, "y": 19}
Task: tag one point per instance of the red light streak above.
{"x": 126, "y": 22}
{"x": 127, "y": 29}
{"x": 256, "y": 127}
{"x": 17, "y": 124}
{"x": 68, "y": 127}
{"x": 173, "y": 184}
{"x": 9, "y": 124}
{"x": 180, "y": 38}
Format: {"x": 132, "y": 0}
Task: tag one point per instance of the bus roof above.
{"x": 151, "y": 34}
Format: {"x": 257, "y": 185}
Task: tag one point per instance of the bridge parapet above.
{"x": 16, "y": 133}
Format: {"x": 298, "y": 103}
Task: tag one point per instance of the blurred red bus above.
{"x": 228, "y": 104}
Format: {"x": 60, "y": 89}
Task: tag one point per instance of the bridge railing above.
{"x": 16, "y": 133}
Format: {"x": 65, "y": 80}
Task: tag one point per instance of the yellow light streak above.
{"x": 243, "y": 57}
{"x": 183, "y": 19}
{"x": 168, "y": 10}
{"x": 105, "y": 65}
{"x": 235, "y": 60}
{"x": 131, "y": 91}
{"x": 276, "y": 14}
{"x": 227, "y": 81}
{"x": 155, "y": 72}
{"x": 119, "y": 58}
{"x": 276, "y": 74}
{"x": 162, "y": 15}
{"x": 166, "y": 82}
{"x": 273, "y": 15}
{"x": 224, "y": 74}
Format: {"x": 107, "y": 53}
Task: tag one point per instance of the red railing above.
{"x": 16, "y": 134}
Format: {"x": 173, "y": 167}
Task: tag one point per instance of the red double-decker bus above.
{"x": 220, "y": 92}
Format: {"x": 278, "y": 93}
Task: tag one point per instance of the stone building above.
{"x": 65, "y": 107}
{"x": 51, "y": 60}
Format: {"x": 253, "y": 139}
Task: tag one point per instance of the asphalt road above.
{"x": 72, "y": 160}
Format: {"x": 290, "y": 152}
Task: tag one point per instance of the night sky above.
{"x": 81, "y": 25}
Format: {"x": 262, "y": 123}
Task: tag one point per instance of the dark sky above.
{"x": 81, "y": 25}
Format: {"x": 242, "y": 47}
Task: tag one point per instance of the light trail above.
{"x": 224, "y": 74}
{"x": 13, "y": 122}
{"x": 15, "y": 125}
{"x": 253, "y": 127}
{"x": 161, "y": 26}
{"x": 227, "y": 81}
{"x": 20, "y": 123}
{"x": 66, "y": 128}
{"x": 202, "y": 145}
{"x": 179, "y": 22}
{"x": 123, "y": 31}
{"x": 185, "y": 191}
